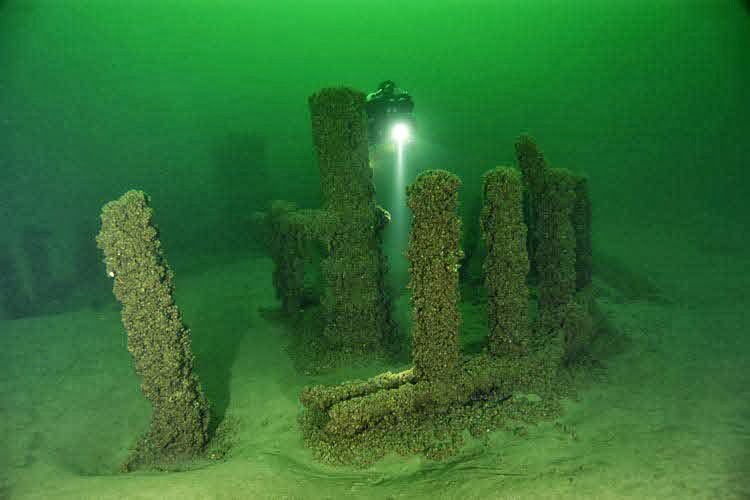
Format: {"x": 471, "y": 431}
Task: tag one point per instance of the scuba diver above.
{"x": 389, "y": 114}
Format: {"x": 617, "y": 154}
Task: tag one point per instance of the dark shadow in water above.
{"x": 30, "y": 283}
{"x": 89, "y": 285}
{"x": 746, "y": 4}
{"x": 239, "y": 184}
{"x": 242, "y": 185}
{"x": 628, "y": 283}
{"x": 12, "y": 303}
{"x": 218, "y": 326}
{"x": 27, "y": 284}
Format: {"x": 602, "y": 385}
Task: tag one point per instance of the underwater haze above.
{"x": 203, "y": 105}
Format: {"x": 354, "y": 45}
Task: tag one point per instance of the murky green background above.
{"x": 649, "y": 98}
{"x": 204, "y": 106}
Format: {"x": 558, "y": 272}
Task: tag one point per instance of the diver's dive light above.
{"x": 389, "y": 115}
{"x": 400, "y": 133}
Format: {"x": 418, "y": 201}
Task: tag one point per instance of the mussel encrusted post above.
{"x": 582, "y": 227}
{"x": 556, "y": 250}
{"x": 157, "y": 338}
{"x": 348, "y": 228}
{"x": 507, "y": 264}
{"x": 434, "y": 253}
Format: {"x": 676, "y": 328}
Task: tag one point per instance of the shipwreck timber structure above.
{"x": 346, "y": 230}
{"x": 521, "y": 352}
{"x": 157, "y": 337}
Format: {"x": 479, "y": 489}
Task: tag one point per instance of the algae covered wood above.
{"x": 581, "y": 220}
{"x": 353, "y": 422}
{"x": 474, "y": 376}
{"x": 556, "y": 251}
{"x": 354, "y": 300}
{"x": 157, "y": 338}
{"x": 322, "y": 397}
{"x": 434, "y": 254}
{"x": 506, "y": 264}
{"x": 533, "y": 166}
{"x": 292, "y": 234}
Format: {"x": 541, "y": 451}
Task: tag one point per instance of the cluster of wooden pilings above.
{"x": 535, "y": 222}
{"x": 519, "y": 347}
{"x": 347, "y": 229}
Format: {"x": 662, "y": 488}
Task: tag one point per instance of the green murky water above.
{"x": 203, "y": 105}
